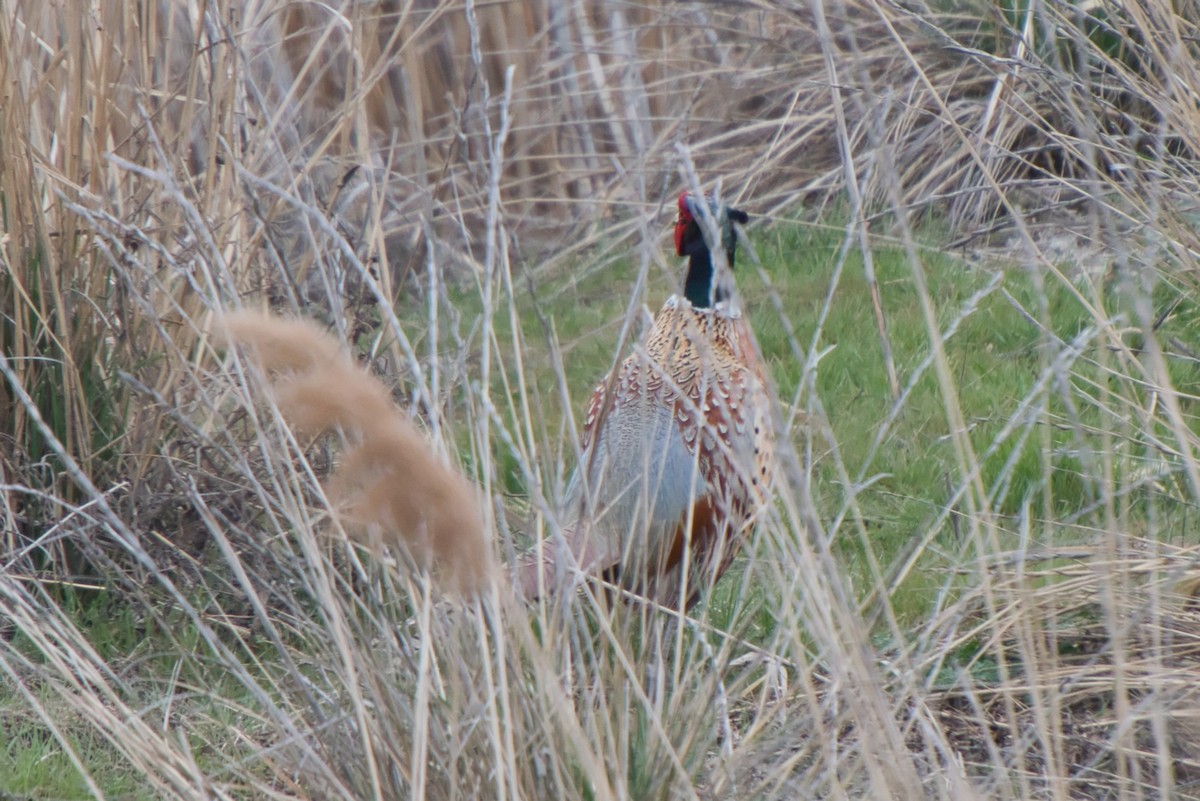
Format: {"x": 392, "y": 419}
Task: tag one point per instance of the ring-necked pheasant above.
{"x": 677, "y": 447}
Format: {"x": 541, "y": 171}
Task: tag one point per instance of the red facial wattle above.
{"x": 682, "y": 222}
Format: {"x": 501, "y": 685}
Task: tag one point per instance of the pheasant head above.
{"x": 691, "y": 241}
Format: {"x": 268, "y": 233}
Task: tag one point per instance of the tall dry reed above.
{"x": 164, "y": 164}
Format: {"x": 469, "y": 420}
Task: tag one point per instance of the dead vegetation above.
{"x": 165, "y": 164}
{"x": 388, "y": 482}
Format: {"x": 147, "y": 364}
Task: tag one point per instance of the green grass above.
{"x": 1008, "y": 333}
{"x": 1032, "y": 427}
{"x": 33, "y": 763}
{"x": 163, "y": 671}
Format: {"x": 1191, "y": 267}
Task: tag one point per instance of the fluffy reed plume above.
{"x": 390, "y": 485}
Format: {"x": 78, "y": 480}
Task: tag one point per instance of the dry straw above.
{"x": 164, "y": 164}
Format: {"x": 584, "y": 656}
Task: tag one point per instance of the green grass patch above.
{"x": 34, "y": 764}
{"x": 1041, "y": 395}
{"x": 158, "y": 666}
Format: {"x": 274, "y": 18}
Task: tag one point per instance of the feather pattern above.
{"x": 679, "y": 462}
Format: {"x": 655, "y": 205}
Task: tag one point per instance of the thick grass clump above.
{"x": 969, "y": 270}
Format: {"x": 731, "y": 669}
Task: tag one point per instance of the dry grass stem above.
{"x": 979, "y": 579}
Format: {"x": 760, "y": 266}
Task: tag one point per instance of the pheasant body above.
{"x": 676, "y": 451}
{"x": 678, "y": 461}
